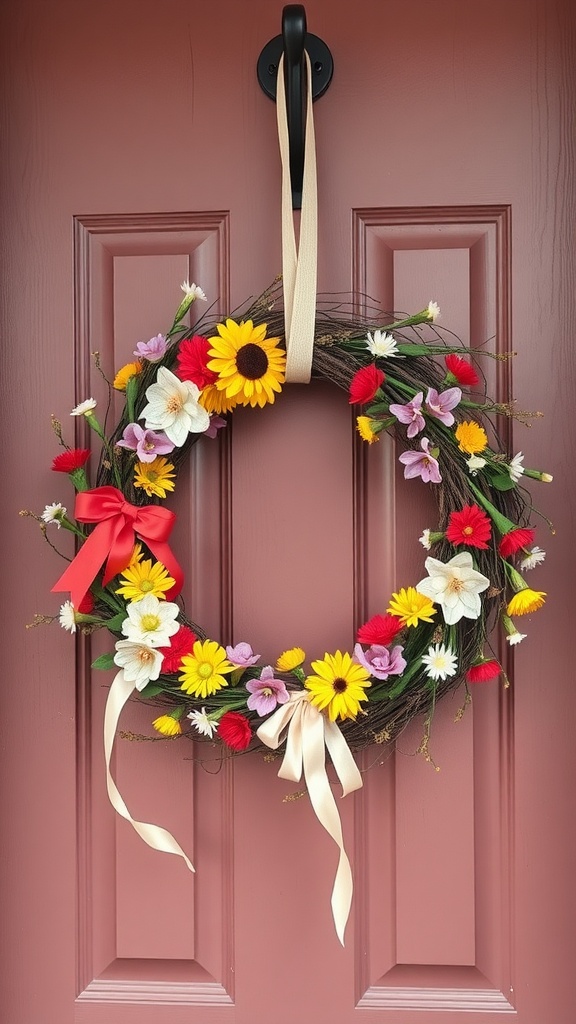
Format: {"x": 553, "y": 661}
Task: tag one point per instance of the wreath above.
{"x": 407, "y": 377}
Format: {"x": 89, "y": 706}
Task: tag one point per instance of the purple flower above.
{"x": 152, "y": 350}
{"x": 439, "y": 405}
{"x": 421, "y": 464}
{"x": 266, "y": 692}
{"x": 242, "y": 655}
{"x": 380, "y": 661}
{"x": 216, "y": 424}
{"x": 411, "y": 413}
{"x": 147, "y": 443}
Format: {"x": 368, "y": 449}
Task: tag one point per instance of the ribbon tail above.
{"x": 155, "y": 836}
{"x": 84, "y": 568}
{"x": 322, "y": 800}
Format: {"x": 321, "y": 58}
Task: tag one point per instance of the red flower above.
{"x": 234, "y": 730}
{"x": 461, "y": 370}
{"x": 68, "y": 461}
{"x": 365, "y": 384}
{"x": 380, "y": 629}
{"x": 514, "y": 540}
{"x": 181, "y": 643}
{"x": 86, "y": 604}
{"x": 193, "y": 362}
{"x": 484, "y": 671}
{"x": 470, "y": 526}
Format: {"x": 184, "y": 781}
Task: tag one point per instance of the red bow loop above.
{"x": 112, "y": 541}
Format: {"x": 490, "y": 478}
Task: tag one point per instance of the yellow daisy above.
{"x": 155, "y": 477}
{"x": 364, "y": 425}
{"x": 289, "y": 660}
{"x": 167, "y": 725}
{"x": 203, "y": 671}
{"x": 249, "y": 365}
{"x": 526, "y": 601}
{"x": 142, "y": 578}
{"x": 411, "y": 607}
{"x": 137, "y": 554}
{"x": 472, "y": 438}
{"x": 125, "y": 373}
{"x": 338, "y": 685}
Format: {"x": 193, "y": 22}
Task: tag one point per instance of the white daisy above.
{"x": 150, "y": 621}
{"x": 440, "y": 662}
{"x": 425, "y": 540}
{"x": 516, "y": 468}
{"x": 433, "y": 311}
{"x": 54, "y": 513}
{"x": 174, "y": 408}
{"x": 455, "y": 586}
{"x": 140, "y": 662}
{"x": 534, "y": 557}
{"x": 475, "y": 463}
{"x": 67, "y": 617}
{"x": 203, "y": 723}
{"x": 516, "y": 638}
{"x": 382, "y": 344}
{"x": 193, "y": 291}
{"x": 85, "y": 408}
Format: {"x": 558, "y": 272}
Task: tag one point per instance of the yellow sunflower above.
{"x": 249, "y": 365}
{"x": 143, "y": 578}
{"x": 203, "y": 671}
{"x": 155, "y": 477}
{"x": 215, "y": 401}
{"x": 338, "y": 685}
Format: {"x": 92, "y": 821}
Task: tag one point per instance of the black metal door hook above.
{"x": 292, "y": 43}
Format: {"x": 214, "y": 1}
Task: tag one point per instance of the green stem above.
{"x": 502, "y": 523}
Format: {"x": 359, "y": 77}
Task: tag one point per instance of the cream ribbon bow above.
{"x": 309, "y": 733}
{"x": 156, "y": 837}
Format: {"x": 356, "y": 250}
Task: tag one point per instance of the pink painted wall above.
{"x": 446, "y": 172}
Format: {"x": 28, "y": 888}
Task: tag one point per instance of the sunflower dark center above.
{"x": 339, "y": 685}
{"x": 252, "y": 361}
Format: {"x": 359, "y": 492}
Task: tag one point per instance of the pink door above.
{"x": 140, "y": 150}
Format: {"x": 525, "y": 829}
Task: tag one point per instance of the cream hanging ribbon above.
{"x": 156, "y": 837}
{"x": 298, "y": 264}
{"x": 309, "y": 732}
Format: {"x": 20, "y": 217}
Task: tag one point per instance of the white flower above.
{"x": 203, "y": 723}
{"x": 455, "y": 586}
{"x": 433, "y": 311}
{"x": 85, "y": 408}
{"x": 150, "y": 621}
{"x": 475, "y": 463}
{"x": 440, "y": 662}
{"x": 516, "y": 468}
{"x": 382, "y": 344}
{"x": 54, "y": 513}
{"x": 425, "y": 540}
{"x": 173, "y": 407}
{"x": 140, "y": 662}
{"x": 67, "y": 617}
{"x": 533, "y": 558}
{"x": 516, "y": 638}
{"x": 193, "y": 291}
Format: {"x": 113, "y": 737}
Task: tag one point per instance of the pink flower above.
{"x": 242, "y": 655}
{"x": 216, "y": 424}
{"x": 147, "y": 443}
{"x": 152, "y": 350}
{"x": 439, "y": 405}
{"x": 266, "y": 692}
{"x": 380, "y": 661}
{"x": 422, "y": 464}
{"x": 411, "y": 413}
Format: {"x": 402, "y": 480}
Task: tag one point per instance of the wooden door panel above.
{"x": 446, "y": 172}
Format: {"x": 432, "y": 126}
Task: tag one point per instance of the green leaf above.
{"x": 502, "y": 482}
{"x": 151, "y": 690}
{"x": 105, "y": 661}
{"x": 115, "y": 623}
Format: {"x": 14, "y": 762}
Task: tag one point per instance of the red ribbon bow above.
{"x": 113, "y": 540}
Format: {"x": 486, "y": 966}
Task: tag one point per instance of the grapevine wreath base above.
{"x": 409, "y": 378}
